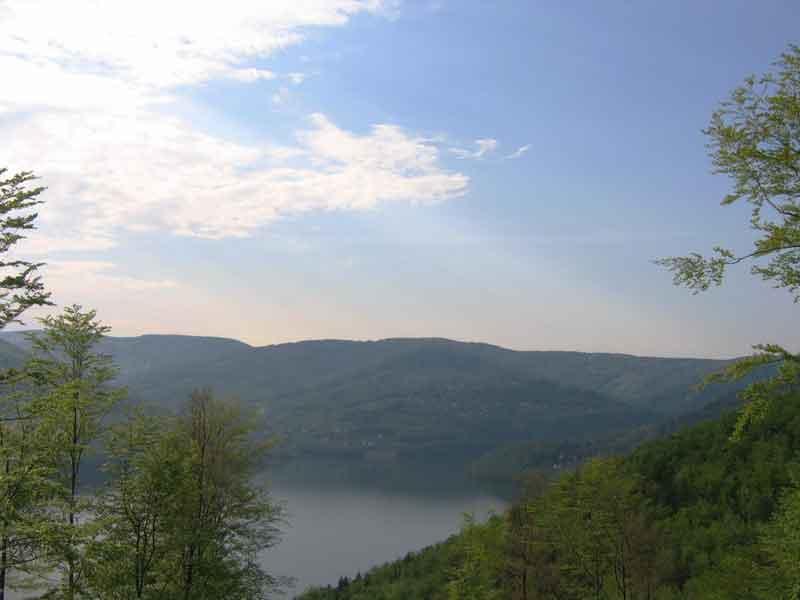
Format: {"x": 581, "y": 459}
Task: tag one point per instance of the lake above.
{"x": 335, "y": 530}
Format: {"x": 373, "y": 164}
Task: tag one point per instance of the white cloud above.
{"x": 297, "y": 78}
{"x": 157, "y": 43}
{"x": 142, "y": 171}
{"x": 91, "y": 110}
{"x": 251, "y": 75}
{"x": 483, "y": 147}
{"x": 519, "y": 152}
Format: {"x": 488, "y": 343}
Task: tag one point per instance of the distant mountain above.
{"x": 394, "y": 398}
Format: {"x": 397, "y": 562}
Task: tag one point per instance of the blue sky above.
{"x": 502, "y": 172}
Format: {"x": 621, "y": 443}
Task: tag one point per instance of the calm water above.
{"x": 339, "y": 531}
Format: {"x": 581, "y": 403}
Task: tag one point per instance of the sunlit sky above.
{"x": 291, "y": 169}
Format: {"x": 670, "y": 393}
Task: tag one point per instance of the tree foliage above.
{"x": 754, "y": 139}
{"x": 182, "y": 517}
{"x": 23, "y": 460}
{"x": 145, "y": 472}
{"x": 781, "y": 541}
{"x": 72, "y": 384}
{"x": 21, "y": 286}
{"x": 478, "y": 574}
{"x": 27, "y": 467}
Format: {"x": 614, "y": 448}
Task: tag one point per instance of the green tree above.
{"x": 146, "y": 468}
{"x": 20, "y": 288}
{"x": 754, "y": 138}
{"x": 20, "y": 285}
{"x": 222, "y": 520}
{"x": 26, "y": 486}
{"x": 478, "y": 575}
{"x": 781, "y": 542}
{"x": 590, "y": 536}
{"x": 74, "y": 397}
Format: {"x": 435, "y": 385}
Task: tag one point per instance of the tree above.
{"x": 589, "y": 536}
{"x": 26, "y": 469}
{"x": 220, "y": 521}
{"x": 478, "y": 576}
{"x": 74, "y": 397}
{"x": 20, "y": 285}
{"x": 146, "y": 469}
{"x": 522, "y": 562}
{"x": 20, "y": 288}
{"x": 754, "y": 138}
{"x": 781, "y": 543}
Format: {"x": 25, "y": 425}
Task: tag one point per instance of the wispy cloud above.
{"x": 116, "y": 155}
{"x": 519, "y": 152}
{"x": 141, "y": 171}
{"x": 251, "y": 75}
{"x": 483, "y": 147}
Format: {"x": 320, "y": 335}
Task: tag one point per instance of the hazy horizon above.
{"x": 17, "y": 329}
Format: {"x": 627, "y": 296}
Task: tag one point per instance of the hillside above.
{"x": 696, "y": 512}
{"x": 504, "y": 465}
{"x": 409, "y": 398}
{"x": 11, "y": 355}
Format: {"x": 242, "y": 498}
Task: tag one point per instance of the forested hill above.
{"x": 155, "y": 362}
{"x": 694, "y": 515}
{"x": 396, "y": 397}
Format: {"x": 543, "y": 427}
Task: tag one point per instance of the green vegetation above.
{"x": 20, "y": 285}
{"x": 506, "y": 466}
{"x": 71, "y": 397}
{"x": 694, "y": 515}
{"x": 179, "y": 516}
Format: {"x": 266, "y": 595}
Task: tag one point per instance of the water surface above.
{"x": 337, "y": 531}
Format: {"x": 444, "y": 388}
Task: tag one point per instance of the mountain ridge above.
{"x": 14, "y": 337}
{"x": 402, "y": 397}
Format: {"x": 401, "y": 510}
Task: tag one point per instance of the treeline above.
{"x": 695, "y": 515}
{"x": 178, "y": 517}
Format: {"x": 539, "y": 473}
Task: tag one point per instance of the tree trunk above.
{"x": 3, "y": 566}
{"x": 4, "y": 548}
{"x": 73, "y": 495}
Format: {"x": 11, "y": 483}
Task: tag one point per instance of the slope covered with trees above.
{"x": 394, "y": 401}
{"x": 694, "y": 515}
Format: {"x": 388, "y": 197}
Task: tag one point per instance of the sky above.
{"x": 282, "y": 170}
